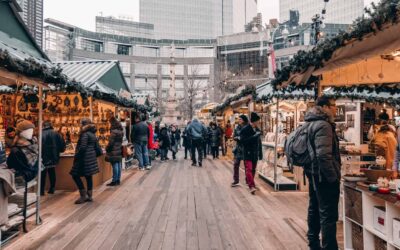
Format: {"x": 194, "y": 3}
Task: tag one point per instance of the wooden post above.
{"x": 40, "y": 128}
{"x": 91, "y": 108}
{"x": 276, "y": 147}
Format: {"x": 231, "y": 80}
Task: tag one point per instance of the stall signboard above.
{"x": 340, "y": 113}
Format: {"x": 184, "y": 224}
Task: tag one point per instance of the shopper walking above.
{"x": 252, "y": 151}
{"x": 114, "y": 150}
{"x": 187, "y": 141}
{"x": 140, "y": 137}
{"x": 52, "y": 145}
{"x": 150, "y": 145}
{"x": 164, "y": 143}
{"x": 238, "y": 150}
{"x": 323, "y": 175}
{"x": 174, "y": 143}
{"x": 196, "y": 132}
{"x": 215, "y": 139}
{"x": 222, "y": 139}
{"x": 85, "y": 160}
{"x": 206, "y": 140}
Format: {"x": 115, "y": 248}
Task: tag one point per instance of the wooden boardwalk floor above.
{"x": 173, "y": 206}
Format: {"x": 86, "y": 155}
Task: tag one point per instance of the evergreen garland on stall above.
{"x": 386, "y": 12}
{"x": 249, "y": 90}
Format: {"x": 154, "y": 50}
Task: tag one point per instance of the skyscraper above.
{"x": 32, "y": 14}
{"x": 337, "y": 11}
{"x": 197, "y": 19}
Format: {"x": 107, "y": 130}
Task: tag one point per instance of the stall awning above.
{"x": 266, "y": 93}
{"x": 99, "y": 75}
{"x": 372, "y": 46}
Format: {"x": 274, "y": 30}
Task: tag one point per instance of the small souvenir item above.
{"x": 85, "y": 102}
{"x": 67, "y": 102}
{"x": 380, "y": 182}
{"x": 392, "y": 185}
{"x": 22, "y": 106}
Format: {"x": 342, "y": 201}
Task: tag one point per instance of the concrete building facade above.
{"x": 32, "y": 15}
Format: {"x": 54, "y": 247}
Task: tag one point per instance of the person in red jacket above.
{"x": 150, "y": 144}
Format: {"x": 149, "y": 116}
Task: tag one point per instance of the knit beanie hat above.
{"x": 85, "y": 121}
{"x": 254, "y": 117}
{"x": 244, "y": 118}
{"x": 23, "y": 125}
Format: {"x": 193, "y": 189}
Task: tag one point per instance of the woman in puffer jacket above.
{"x": 85, "y": 160}
{"x": 215, "y": 140}
{"x": 114, "y": 151}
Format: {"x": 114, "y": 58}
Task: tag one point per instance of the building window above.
{"x": 123, "y": 49}
{"x": 91, "y": 45}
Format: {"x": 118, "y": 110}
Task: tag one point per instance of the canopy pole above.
{"x": 276, "y": 147}
{"x": 91, "y": 108}
{"x": 40, "y": 133}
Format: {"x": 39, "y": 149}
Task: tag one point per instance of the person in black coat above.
{"x": 164, "y": 142}
{"x": 250, "y": 139}
{"x": 215, "y": 139}
{"x": 238, "y": 150}
{"x": 187, "y": 143}
{"x": 85, "y": 160}
{"x": 53, "y": 144}
{"x": 114, "y": 150}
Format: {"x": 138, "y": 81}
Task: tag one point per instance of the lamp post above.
{"x": 271, "y": 55}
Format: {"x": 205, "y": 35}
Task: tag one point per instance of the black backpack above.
{"x": 298, "y": 148}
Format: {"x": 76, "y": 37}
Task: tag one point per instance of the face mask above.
{"x": 27, "y": 134}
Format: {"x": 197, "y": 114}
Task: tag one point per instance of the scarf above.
{"x": 29, "y": 148}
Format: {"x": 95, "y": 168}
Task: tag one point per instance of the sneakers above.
{"x": 200, "y": 164}
{"x": 235, "y": 184}
{"x": 51, "y": 191}
{"x": 194, "y": 164}
{"x": 148, "y": 167}
{"x": 253, "y": 190}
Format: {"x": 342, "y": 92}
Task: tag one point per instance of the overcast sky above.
{"x": 81, "y": 13}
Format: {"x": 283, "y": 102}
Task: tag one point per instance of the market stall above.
{"x": 362, "y": 65}
{"x": 27, "y": 70}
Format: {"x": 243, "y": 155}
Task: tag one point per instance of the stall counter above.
{"x": 65, "y": 181}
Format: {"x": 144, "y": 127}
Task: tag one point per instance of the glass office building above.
{"x": 197, "y": 19}
{"x": 337, "y": 11}
{"x": 123, "y": 27}
{"x": 32, "y": 15}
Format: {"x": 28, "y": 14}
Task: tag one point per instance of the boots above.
{"x": 90, "y": 195}
{"x": 82, "y": 198}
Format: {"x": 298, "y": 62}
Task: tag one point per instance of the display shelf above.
{"x": 369, "y": 201}
{"x": 283, "y": 184}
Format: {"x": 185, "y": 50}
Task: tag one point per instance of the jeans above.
{"x": 142, "y": 154}
{"x": 236, "y": 165}
{"x": 214, "y": 151}
{"x": 323, "y": 214}
{"x": 164, "y": 153}
{"x": 197, "y": 144}
{"x": 52, "y": 176}
{"x": 117, "y": 169}
{"x": 187, "y": 150}
{"x": 79, "y": 183}
{"x": 249, "y": 173}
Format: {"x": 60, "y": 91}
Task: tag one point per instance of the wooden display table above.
{"x": 65, "y": 181}
{"x": 369, "y": 218}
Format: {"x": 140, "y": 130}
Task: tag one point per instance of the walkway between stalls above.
{"x": 174, "y": 206}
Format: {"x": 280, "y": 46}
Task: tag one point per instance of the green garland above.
{"x": 249, "y": 90}
{"x": 386, "y": 12}
{"x": 31, "y": 68}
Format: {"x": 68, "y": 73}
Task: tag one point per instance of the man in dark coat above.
{"x": 238, "y": 151}
{"x": 164, "y": 142}
{"x": 140, "y": 137}
{"x": 187, "y": 144}
{"x": 324, "y": 175}
{"x": 252, "y": 149}
{"x": 52, "y": 145}
{"x": 114, "y": 150}
{"x": 196, "y": 131}
{"x": 215, "y": 140}
{"x": 85, "y": 160}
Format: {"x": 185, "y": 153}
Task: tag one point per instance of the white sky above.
{"x": 81, "y": 13}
